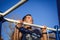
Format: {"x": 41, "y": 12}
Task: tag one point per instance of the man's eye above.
{"x": 28, "y": 17}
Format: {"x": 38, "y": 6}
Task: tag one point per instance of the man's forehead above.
{"x": 28, "y": 16}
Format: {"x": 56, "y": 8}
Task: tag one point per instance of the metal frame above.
{"x": 13, "y": 7}
{"x": 2, "y": 19}
{"x": 57, "y": 32}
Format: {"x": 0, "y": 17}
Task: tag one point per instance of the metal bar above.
{"x": 1, "y": 21}
{"x": 38, "y": 26}
{"x": 0, "y": 27}
{"x": 57, "y": 33}
{"x": 1, "y": 14}
{"x": 14, "y": 7}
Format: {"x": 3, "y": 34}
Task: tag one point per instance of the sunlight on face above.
{"x": 29, "y": 19}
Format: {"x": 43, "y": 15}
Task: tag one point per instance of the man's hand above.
{"x": 44, "y": 29}
{"x": 19, "y": 24}
{"x": 44, "y": 33}
{"x": 17, "y": 34}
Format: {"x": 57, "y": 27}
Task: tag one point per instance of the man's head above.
{"x": 28, "y": 18}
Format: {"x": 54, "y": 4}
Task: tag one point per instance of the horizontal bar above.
{"x": 13, "y": 7}
{"x": 1, "y": 14}
{"x": 38, "y": 26}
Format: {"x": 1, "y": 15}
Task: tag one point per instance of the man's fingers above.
{"x": 44, "y": 27}
{"x": 20, "y": 21}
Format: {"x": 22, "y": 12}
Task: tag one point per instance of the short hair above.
{"x": 25, "y": 16}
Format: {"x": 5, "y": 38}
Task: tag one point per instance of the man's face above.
{"x": 28, "y": 19}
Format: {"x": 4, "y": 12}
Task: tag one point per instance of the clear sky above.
{"x": 44, "y": 12}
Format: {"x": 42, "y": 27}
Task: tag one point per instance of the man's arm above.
{"x": 17, "y": 35}
{"x": 44, "y": 33}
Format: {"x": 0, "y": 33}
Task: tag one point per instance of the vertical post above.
{"x": 0, "y": 27}
{"x": 57, "y": 32}
{"x": 1, "y": 21}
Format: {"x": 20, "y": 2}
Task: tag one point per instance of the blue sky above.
{"x": 44, "y": 12}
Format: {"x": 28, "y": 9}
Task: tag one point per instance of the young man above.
{"x": 18, "y": 35}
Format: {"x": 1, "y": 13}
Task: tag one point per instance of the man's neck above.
{"x": 27, "y": 27}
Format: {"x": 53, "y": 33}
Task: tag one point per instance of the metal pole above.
{"x": 38, "y": 26}
{"x": 57, "y": 32}
{"x": 13, "y": 7}
{"x": 0, "y": 27}
{"x": 1, "y": 21}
